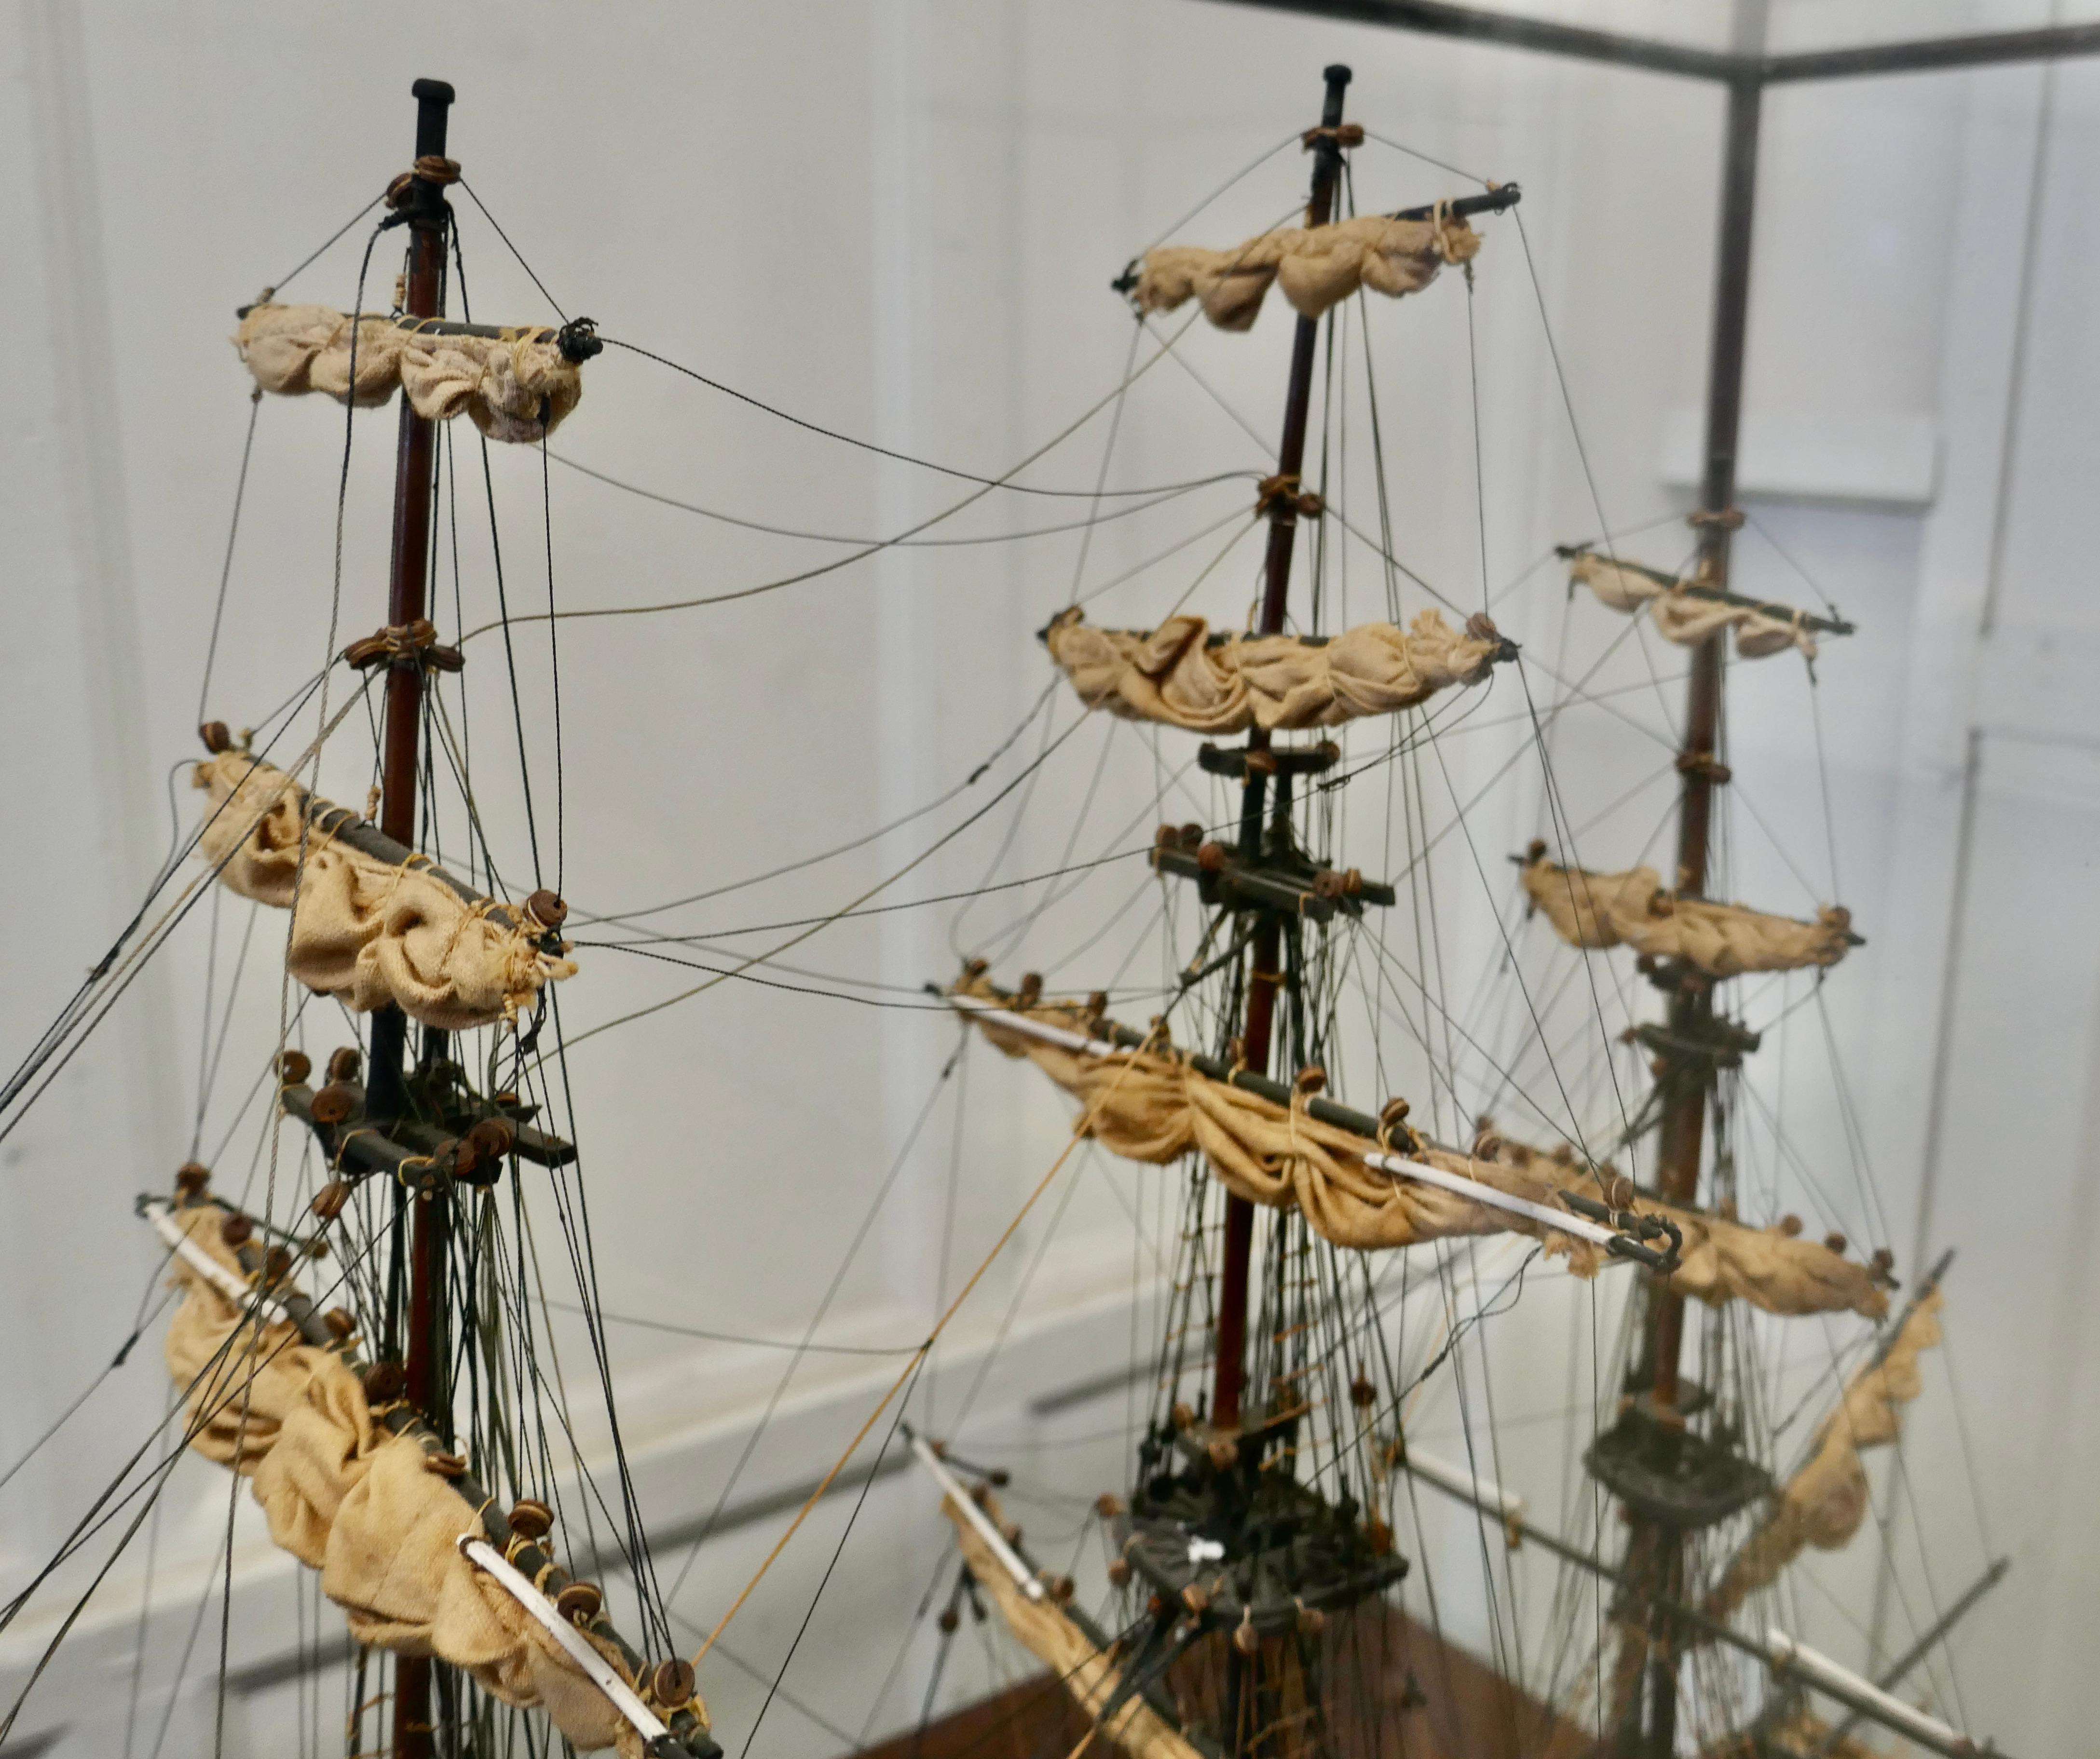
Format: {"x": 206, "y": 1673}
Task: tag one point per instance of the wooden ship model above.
{"x": 362, "y": 1356}
{"x": 1254, "y": 1545}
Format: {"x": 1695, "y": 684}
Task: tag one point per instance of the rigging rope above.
{"x": 880, "y": 885}
{"x": 1158, "y": 496}
{"x": 1079, "y": 1128}
{"x": 1004, "y": 481}
{"x": 225, "y": 567}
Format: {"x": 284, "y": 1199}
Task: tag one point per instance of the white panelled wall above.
{"x": 899, "y": 220}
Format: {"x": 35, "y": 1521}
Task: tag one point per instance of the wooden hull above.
{"x": 1394, "y": 1691}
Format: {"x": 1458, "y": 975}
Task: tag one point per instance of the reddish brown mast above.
{"x": 1265, "y": 973}
{"x": 429, "y": 216}
{"x": 1654, "y": 1558}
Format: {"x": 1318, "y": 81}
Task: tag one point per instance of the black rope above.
{"x": 971, "y": 780}
{"x": 40, "y": 1058}
{"x": 514, "y": 250}
{"x": 284, "y": 281}
{"x": 1143, "y": 501}
{"x": 860, "y": 1502}
{"x": 225, "y": 567}
{"x": 903, "y": 458}
{"x": 737, "y": 1337}
{"x": 554, "y": 665}
{"x": 123, "y": 1355}
{"x": 743, "y": 974}
{"x": 896, "y": 1166}
{"x": 875, "y": 909}
{"x": 925, "y": 854}
{"x": 502, "y": 600}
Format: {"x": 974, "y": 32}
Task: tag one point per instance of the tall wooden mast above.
{"x": 1265, "y": 974}
{"x": 428, "y": 217}
{"x": 1656, "y": 1548}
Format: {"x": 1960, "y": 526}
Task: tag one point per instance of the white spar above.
{"x": 486, "y": 1557}
{"x": 1787, "y": 1654}
{"x": 1023, "y": 1578}
{"x": 1474, "y": 1191}
{"x": 236, "y": 1289}
{"x": 1041, "y": 1029}
{"x": 1482, "y": 1492}
{"x": 1580, "y": 1226}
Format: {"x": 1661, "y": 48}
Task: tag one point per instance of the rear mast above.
{"x": 1688, "y": 1068}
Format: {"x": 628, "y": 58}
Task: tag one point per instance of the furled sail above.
{"x": 1092, "y": 1677}
{"x": 1153, "y": 1106}
{"x": 1631, "y": 908}
{"x": 1683, "y": 614}
{"x": 1795, "y": 1729}
{"x": 366, "y": 931}
{"x": 1318, "y": 267}
{"x": 1825, "y": 1501}
{"x": 370, "y": 1510}
{"x": 1776, "y": 1269}
{"x": 1183, "y": 675}
{"x": 512, "y": 383}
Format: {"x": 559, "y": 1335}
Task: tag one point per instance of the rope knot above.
{"x": 1281, "y": 498}
{"x": 430, "y": 169}
{"x": 578, "y": 340}
{"x": 1728, "y": 518}
{"x": 410, "y": 644}
{"x": 1347, "y": 135}
{"x": 1704, "y": 764}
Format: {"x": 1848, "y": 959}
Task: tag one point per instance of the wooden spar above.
{"x": 526, "y": 1548}
{"x": 1778, "y": 1652}
{"x": 1715, "y": 595}
{"x": 1265, "y": 973}
{"x": 1585, "y": 1219}
{"x": 1892, "y": 1676}
{"x": 965, "y": 1505}
{"x": 415, "y": 468}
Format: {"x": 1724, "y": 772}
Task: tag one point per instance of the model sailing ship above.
{"x": 389, "y": 1439}
{"x": 1254, "y": 1549}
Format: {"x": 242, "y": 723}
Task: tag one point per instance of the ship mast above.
{"x": 1265, "y": 975}
{"x": 1655, "y": 1549}
{"x": 423, "y": 1215}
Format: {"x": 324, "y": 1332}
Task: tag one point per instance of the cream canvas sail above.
{"x": 1824, "y": 1503}
{"x": 1318, "y": 267}
{"x": 517, "y": 384}
{"x": 1631, "y": 908}
{"x": 366, "y": 932}
{"x": 1182, "y": 675}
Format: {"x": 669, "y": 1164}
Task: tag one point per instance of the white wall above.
{"x": 899, "y": 220}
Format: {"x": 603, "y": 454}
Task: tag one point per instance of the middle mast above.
{"x": 1280, "y": 496}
